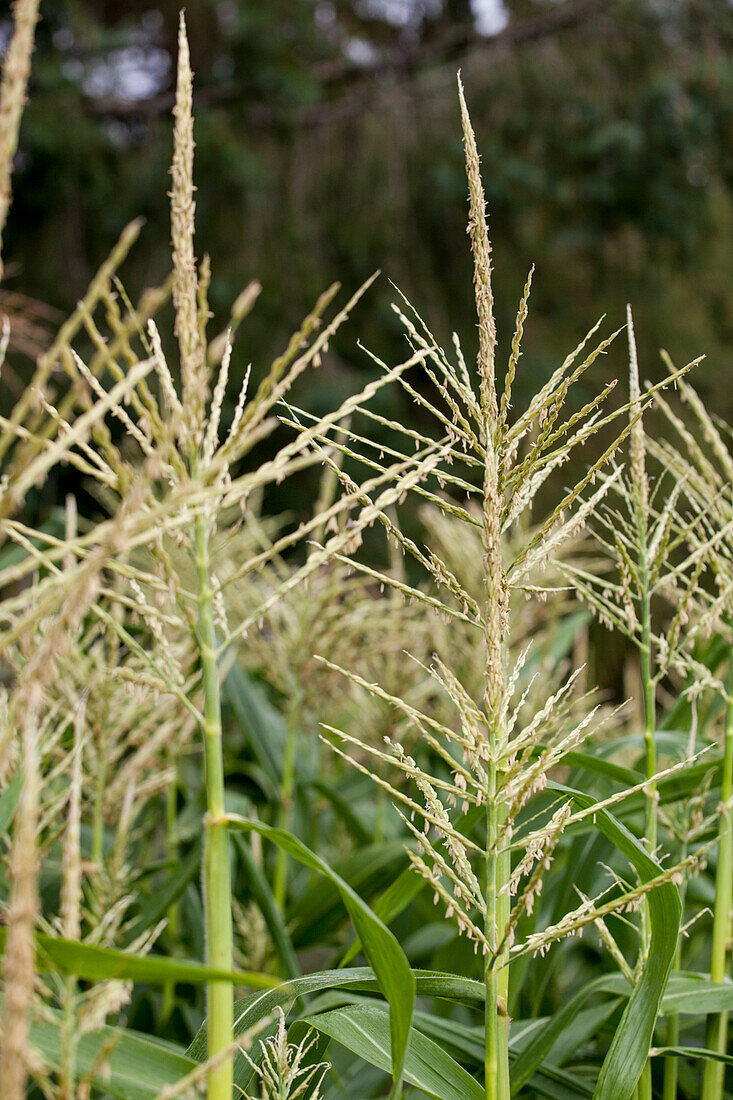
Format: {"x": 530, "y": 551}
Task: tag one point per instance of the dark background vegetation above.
{"x": 329, "y": 145}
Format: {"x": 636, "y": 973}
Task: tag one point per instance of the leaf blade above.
{"x": 391, "y": 968}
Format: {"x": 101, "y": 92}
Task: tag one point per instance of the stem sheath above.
{"x": 717, "y": 1029}
{"x": 650, "y": 823}
{"x": 217, "y": 878}
{"x": 491, "y": 978}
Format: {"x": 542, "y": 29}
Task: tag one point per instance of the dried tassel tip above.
{"x": 639, "y": 485}
{"x": 481, "y": 248}
{"x": 16, "y": 70}
{"x": 185, "y": 282}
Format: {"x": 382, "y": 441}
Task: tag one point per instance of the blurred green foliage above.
{"x": 328, "y": 145}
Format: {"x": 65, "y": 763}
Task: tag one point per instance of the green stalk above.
{"x": 491, "y": 977}
{"x": 650, "y": 816}
{"x": 671, "y": 1064}
{"x": 496, "y": 1052}
{"x": 640, "y": 501}
{"x": 171, "y": 812}
{"x": 717, "y": 1029}
{"x": 67, "y": 1068}
{"x": 217, "y": 877}
{"x": 493, "y": 427}
{"x": 497, "y": 865}
{"x": 645, "y": 1082}
{"x": 503, "y": 910}
{"x": 650, "y": 824}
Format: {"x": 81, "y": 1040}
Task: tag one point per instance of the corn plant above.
{"x": 171, "y": 500}
{"x": 171, "y": 821}
{"x": 496, "y": 760}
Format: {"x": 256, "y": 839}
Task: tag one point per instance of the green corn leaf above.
{"x": 320, "y": 909}
{"x": 166, "y": 895}
{"x": 344, "y": 810}
{"x": 629, "y": 1048}
{"x": 451, "y": 987}
{"x": 391, "y": 968}
{"x": 137, "y": 1067}
{"x": 466, "y": 1042}
{"x": 390, "y": 904}
{"x": 627, "y": 1054}
{"x": 405, "y": 888}
{"x": 682, "y": 784}
{"x": 261, "y": 722}
{"x": 671, "y": 742}
{"x": 693, "y": 1052}
{"x": 364, "y": 1030}
{"x": 429, "y": 938}
{"x": 134, "y": 1066}
{"x": 250, "y": 1010}
{"x": 98, "y": 964}
{"x": 586, "y": 1025}
{"x": 557, "y": 1084}
{"x": 695, "y": 995}
{"x": 588, "y": 761}
{"x": 560, "y": 643}
{"x": 533, "y": 1054}
{"x": 262, "y": 894}
{"x": 9, "y": 801}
